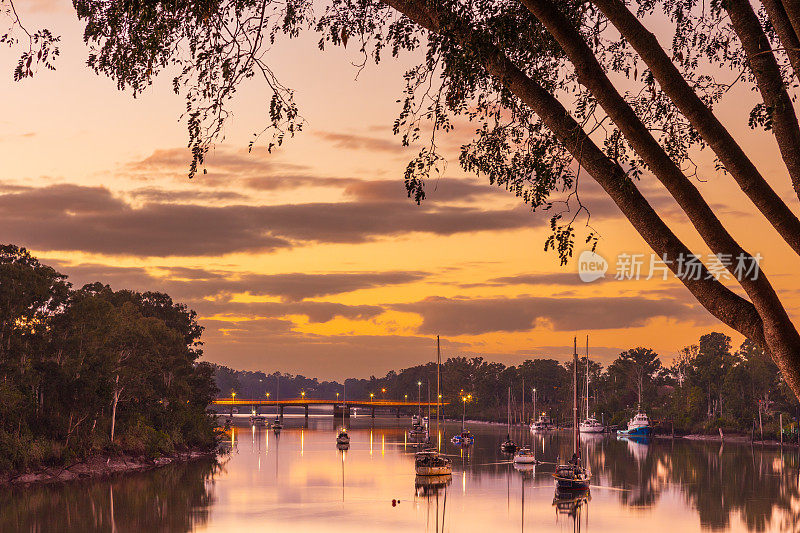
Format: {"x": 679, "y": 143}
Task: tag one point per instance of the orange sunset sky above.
{"x": 312, "y": 260}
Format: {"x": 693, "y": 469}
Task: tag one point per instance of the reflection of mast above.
{"x": 344, "y": 454}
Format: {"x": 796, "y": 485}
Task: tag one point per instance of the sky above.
{"x": 311, "y": 259}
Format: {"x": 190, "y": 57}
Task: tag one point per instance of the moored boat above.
{"x": 464, "y": 438}
{"x": 543, "y": 423}
{"x": 525, "y": 456}
{"x": 591, "y": 425}
{"x": 432, "y": 463}
{"x": 572, "y": 475}
{"x": 638, "y": 426}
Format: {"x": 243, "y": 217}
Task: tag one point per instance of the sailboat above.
{"x": 524, "y": 455}
{"x": 573, "y": 475}
{"x": 429, "y": 462}
{"x": 343, "y": 438}
{"x": 277, "y": 425}
{"x": 419, "y": 425}
{"x": 590, "y": 423}
{"x": 508, "y": 445}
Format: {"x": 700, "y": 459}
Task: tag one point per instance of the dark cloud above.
{"x": 545, "y": 278}
{"x": 462, "y": 316}
{"x": 440, "y": 190}
{"x": 361, "y": 142}
{"x": 91, "y": 219}
{"x": 185, "y": 283}
{"x": 155, "y": 194}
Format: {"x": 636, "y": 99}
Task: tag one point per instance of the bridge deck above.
{"x": 314, "y": 401}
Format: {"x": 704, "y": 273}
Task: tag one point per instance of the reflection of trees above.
{"x": 717, "y": 481}
{"x": 170, "y": 499}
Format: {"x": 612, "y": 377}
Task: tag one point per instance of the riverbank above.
{"x": 100, "y": 467}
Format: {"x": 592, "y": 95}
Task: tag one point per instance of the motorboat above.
{"x": 277, "y": 424}
{"x": 591, "y": 425}
{"x": 432, "y": 463}
{"x": 543, "y": 423}
{"x": 525, "y": 456}
{"x": 465, "y": 438}
{"x": 638, "y": 426}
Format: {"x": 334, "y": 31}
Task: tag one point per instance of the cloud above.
{"x": 462, "y": 316}
{"x": 544, "y": 278}
{"x": 361, "y": 142}
{"x": 197, "y": 284}
{"x": 91, "y": 219}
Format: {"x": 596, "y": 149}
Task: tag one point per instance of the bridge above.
{"x": 339, "y": 407}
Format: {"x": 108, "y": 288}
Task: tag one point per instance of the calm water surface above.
{"x": 298, "y": 481}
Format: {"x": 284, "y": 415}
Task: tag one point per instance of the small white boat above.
{"x": 277, "y": 424}
{"x": 432, "y": 463}
{"x": 525, "y": 456}
{"x": 591, "y": 425}
{"x": 343, "y": 437}
{"x": 258, "y": 420}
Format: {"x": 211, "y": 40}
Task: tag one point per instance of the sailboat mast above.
{"x": 438, "y": 362}
{"x": 508, "y": 416}
{"x": 523, "y": 401}
{"x": 577, "y": 450}
{"x": 344, "y": 400}
{"x": 587, "y": 376}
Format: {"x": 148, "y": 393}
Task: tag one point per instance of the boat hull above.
{"x": 571, "y": 484}
{"x": 644, "y": 431}
{"x": 444, "y": 470}
{"x": 525, "y": 459}
{"x": 591, "y": 429}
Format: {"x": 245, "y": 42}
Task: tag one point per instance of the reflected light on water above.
{"x": 692, "y": 486}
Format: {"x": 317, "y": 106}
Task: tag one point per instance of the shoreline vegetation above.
{"x": 91, "y": 374}
{"x": 710, "y": 386}
{"x": 100, "y": 467}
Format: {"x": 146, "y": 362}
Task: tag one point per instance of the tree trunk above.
{"x": 786, "y": 33}
{"x": 770, "y": 84}
{"x": 117, "y": 392}
{"x": 765, "y": 321}
{"x": 736, "y": 162}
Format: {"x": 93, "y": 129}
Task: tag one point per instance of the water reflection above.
{"x": 298, "y": 479}
{"x": 173, "y": 499}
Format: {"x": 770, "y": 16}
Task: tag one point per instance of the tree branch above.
{"x": 770, "y": 83}
{"x": 736, "y": 162}
{"x": 720, "y": 301}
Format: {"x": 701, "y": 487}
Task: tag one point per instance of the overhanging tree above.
{"x": 543, "y": 82}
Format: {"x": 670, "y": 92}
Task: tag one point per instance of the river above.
{"x": 298, "y": 481}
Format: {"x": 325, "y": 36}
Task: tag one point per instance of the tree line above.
{"x": 710, "y": 385}
{"x": 92, "y": 370}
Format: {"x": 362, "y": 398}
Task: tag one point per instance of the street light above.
{"x": 383, "y": 391}
{"x": 371, "y": 395}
